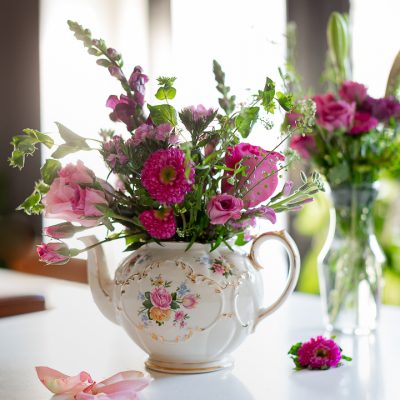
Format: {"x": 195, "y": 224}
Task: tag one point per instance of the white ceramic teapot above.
{"x": 187, "y": 309}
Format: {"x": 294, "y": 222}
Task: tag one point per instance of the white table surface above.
{"x": 72, "y": 336}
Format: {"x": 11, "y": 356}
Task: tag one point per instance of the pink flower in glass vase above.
{"x": 67, "y": 200}
{"x": 261, "y": 178}
{"x": 163, "y": 176}
{"x": 189, "y": 301}
{"x": 353, "y": 92}
{"x": 303, "y": 144}
{"x": 53, "y": 253}
{"x": 160, "y": 224}
{"x": 224, "y": 207}
{"x": 334, "y": 114}
{"x": 363, "y": 122}
{"x": 161, "y": 298}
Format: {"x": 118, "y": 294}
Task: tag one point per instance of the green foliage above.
{"x": 32, "y": 204}
{"x": 246, "y": 119}
{"x": 26, "y": 145}
{"x": 163, "y": 113}
{"x": 73, "y": 142}
{"x": 50, "y": 170}
{"x": 285, "y": 100}
{"x": 166, "y": 90}
{"x": 226, "y": 102}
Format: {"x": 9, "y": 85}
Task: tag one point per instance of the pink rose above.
{"x": 353, "y": 91}
{"x": 334, "y": 114}
{"x": 223, "y": 207}
{"x": 218, "y": 269}
{"x": 53, "y": 253}
{"x": 261, "y": 178}
{"x": 363, "y": 122}
{"x": 67, "y": 200}
{"x": 161, "y": 298}
{"x": 303, "y": 144}
{"x": 189, "y": 301}
{"x": 179, "y": 315}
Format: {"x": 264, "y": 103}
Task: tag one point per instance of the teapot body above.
{"x": 187, "y": 309}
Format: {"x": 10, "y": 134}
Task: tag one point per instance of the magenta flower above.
{"x": 353, "y": 92}
{"x": 382, "y": 109}
{"x": 334, "y": 114}
{"x": 317, "y": 353}
{"x": 363, "y": 122}
{"x": 292, "y": 117}
{"x": 161, "y": 298}
{"x": 69, "y": 201}
{"x": 261, "y": 178}
{"x": 263, "y": 212}
{"x": 161, "y": 133}
{"x": 248, "y": 222}
{"x": 223, "y": 207}
{"x": 190, "y": 301}
{"x": 114, "y": 154}
{"x": 163, "y": 176}
{"x": 124, "y": 109}
{"x": 53, "y": 253}
{"x": 160, "y": 224}
{"x": 303, "y": 144}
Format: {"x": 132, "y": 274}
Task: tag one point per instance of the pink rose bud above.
{"x": 189, "y": 301}
{"x": 60, "y": 231}
{"x": 115, "y": 72}
{"x": 223, "y": 207}
{"x": 53, "y": 253}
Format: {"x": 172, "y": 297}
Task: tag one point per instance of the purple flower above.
{"x": 363, "y": 122}
{"x": 292, "y": 117}
{"x": 223, "y": 207}
{"x": 287, "y": 188}
{"x": 353, "y": 92}
{"x": 263, "y": 212}
{"x": 319, "y": 353}
{"x": 200, "y": 112}
{"x": 162, "y": 133}
{"x": 159, "y": 224}
{"x": 382, "y": 109}
{"x": 303, "y": 144}
{"x": 164, "y": 177}
{"x": 116, "y": 72}
{"x": 113, "y": 153}
{"x": 124, "y": 109}
{"x": 334, "y": 114}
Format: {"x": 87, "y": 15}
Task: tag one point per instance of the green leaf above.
{"x": 285, "y": 100}
{"x": 32, "y": 204}
{"x": 65, "y": 149}
{"x": 71, "y": 138}
{"x": 147, "y": 295}
{"x": 134, "y": 246}
{"x": 41, "y": 187}
{"x": 173, "y": 295}
{"x": 240, "y": 240}
{"x": 50, "y": 170}
{"x": 166, "y": 93}
{"x": 163, "y": 113}
{"x": 174, "y": 305}
{"x": 267, "y": 95}
{"x": 147, "y": 304}
{"x": 246, "y": 119}
{"x": 295, "y": 348}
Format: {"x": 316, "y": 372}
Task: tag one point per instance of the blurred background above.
{"x": 46, "y": 76}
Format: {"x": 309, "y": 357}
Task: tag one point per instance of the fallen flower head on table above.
{"x": 121, "y": 386}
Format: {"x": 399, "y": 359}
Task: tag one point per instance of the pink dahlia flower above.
{"x": 303, "y": 144}
{"x": 334, "y": 114}
{"x": 161, "y": 298}
{"x": 319, "y": 353}
{"x": 53, "y": 253}
{"x": 363, "y": 122}
{"x": 163, "y": 176}
{"x": 159, "y": 224}
{"x": 67, "y": 200}
{"x": 224, "y": 207}
{"x": 353, "y": 92}
{"x": 261, "y": 178}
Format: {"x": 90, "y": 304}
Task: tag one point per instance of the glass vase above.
{"x": 350, "y": 263}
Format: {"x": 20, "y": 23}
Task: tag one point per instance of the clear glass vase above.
{"x": 351, "y": 261}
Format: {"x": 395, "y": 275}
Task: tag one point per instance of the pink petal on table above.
{"x": 123, "y": 381}
{"x": 102, "y": 396}
{"x": 59, "y": 383}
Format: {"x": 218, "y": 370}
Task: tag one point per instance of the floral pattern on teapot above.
{"x": 160, "y": 304}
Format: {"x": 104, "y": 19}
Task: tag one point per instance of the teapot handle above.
{"x": 294, "y": 267}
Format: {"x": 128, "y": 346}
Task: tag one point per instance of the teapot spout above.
{"x": 99, "y": 279}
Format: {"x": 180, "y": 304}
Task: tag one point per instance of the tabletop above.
{"x": 72, "y": 335}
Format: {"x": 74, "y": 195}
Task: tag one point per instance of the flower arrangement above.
{"x": 182, "y": 176}
{"x": 355, "y": 136}
{"x": 317, "y": 353}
